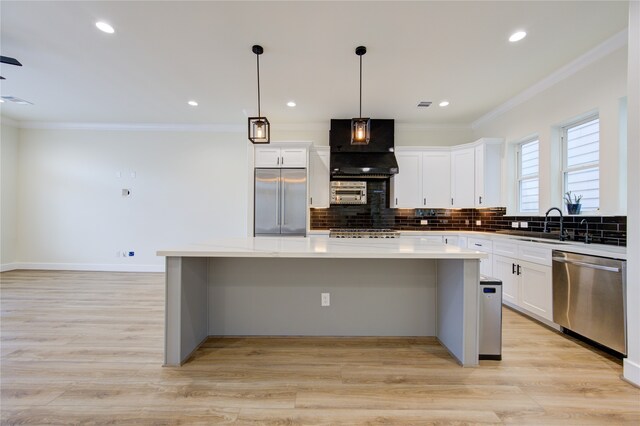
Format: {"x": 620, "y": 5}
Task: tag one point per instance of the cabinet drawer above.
{"x": 480, "y": 244}
{"x": 531, "y": 253}
{"x": 505, "y": 249}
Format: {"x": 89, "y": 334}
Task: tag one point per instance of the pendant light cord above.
{"x": 360, "y": 87}
{"x": 258, "y": 69}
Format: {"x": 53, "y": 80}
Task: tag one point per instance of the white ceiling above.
{"x": 166, "y": 53}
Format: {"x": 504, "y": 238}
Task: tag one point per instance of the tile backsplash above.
{"x": 375, "y": 214}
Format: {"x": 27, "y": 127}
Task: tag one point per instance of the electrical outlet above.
{"x": 325, "y": 299}
{"x": 478, "y": 222}
{"x": 514, "y": 224}
{"x": 524, "y": 224}
{"x": 424, "y": 222}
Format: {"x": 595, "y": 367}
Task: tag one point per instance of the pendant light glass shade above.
{"x": 259, "y": 129}
{"x": 360, "y": 131}
{"x": 360, "y": 127}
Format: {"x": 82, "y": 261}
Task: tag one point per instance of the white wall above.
{"x": 189, "y": 187}
{"x": 9, "y": 197}
{"x": 632, "y": 363}
{"x": 599, "y": 87}
{"x": 405, "y": 135}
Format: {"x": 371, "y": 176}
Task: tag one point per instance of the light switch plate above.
{"x": 424, "y": 222}
{"x": 524, "y": 224}
{"x": 514, "y": 224}
{"x": 478, "y": 222}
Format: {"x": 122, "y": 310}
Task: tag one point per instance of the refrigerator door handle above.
{"x": 283, "y": 182}
{"x": 278, "y": 196}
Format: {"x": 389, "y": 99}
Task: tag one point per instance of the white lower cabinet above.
{"x": 536, "y": 292}
{"x": 504, "y": 269}
{"x": 525, "y": 284}
{"x": 484, "y": 245}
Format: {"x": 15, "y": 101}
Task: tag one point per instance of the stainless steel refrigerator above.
{"x": 280, "y": 202}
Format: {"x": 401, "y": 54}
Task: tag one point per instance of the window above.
{"x": 528, "y": 183}
{"x": 581, "y": 169}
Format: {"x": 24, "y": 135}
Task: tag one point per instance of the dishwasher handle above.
{"x": 586, "y": 264}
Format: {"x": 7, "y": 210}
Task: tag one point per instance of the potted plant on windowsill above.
{"x": 572, "y": 202}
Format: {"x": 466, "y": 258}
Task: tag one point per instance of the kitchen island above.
{"x": 273, "y": 285}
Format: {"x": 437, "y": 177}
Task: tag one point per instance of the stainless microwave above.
{"x": 348, "y": 192}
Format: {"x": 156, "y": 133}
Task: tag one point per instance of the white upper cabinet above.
{"x": 436, "y": 179}
{"x": 406, "y": 187}
{"x": 422, "y": 181}
{"x": 319, "y": 177}
{"x": 488, "y": 172}
{"x": 462, "y": 178}
{"x": 280, "y": 156}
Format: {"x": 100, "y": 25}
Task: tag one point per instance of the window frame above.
{"x": 565, "y": 169}
{"x": 520, "y": 178}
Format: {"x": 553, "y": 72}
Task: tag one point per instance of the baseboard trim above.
{"x": 532, "y": 315}
{"x": 631, "y": 372}
{"x": 99, "y": 267}
{"x": 8, "y": 267}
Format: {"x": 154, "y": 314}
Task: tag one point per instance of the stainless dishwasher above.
{"x": 589, "y": 297}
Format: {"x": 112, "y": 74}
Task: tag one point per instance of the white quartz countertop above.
{"x": 571, "y": 246}
{"x": 323, "y": 247}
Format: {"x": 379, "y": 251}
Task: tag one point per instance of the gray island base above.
{"x": 272, "y": 286}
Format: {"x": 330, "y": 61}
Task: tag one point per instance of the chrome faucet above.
{"x": 546, "y": 218}
{"x": 587, "y": 238}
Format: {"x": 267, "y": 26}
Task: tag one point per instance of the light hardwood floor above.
{"x": 86, "y": 348}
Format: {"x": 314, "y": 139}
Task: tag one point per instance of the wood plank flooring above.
{"x": 86, "y": 348}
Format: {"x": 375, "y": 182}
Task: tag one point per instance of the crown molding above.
{"x": 144, "y": 127}
{"x": 9, "y": 121}
{"x": 422, "y": 126}
{"x": 600, "y": 51}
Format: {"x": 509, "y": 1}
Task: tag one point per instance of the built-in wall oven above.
{"x": 348, "y": 192}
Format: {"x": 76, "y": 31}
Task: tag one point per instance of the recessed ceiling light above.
{"x": 291, "y": 104}
{"x": 193, "y": 103}
{"x": 104, "y": 27}
{"x": 15, "y": 100}
{"x": 444, "y": 103}
{"x": 517, "y": 36}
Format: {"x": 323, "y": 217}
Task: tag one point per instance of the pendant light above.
{"x": 360, "y": 127}
{"x": 259, "y": 129}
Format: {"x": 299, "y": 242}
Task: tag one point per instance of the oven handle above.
{"x": 587, "y": 265}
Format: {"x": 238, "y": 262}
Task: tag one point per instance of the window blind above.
{"x": 528, "y": 182}
{"x": 582, "y": 155}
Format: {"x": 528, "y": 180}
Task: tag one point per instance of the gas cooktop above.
{"x": 363, "y": 233}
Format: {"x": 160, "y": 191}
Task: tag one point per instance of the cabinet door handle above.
{"x": 396, "y": 201}
{"x": 311, "y": 202}
{"x": 480, "y": 199}
{"x": 452, "y": 201}
{"x": 519, "y": 270}
{"x": 478, "y": 244}
{"x": 278, "y": 161}
{"x": 424, "y": 201}
{"x": 513, "y": 268}
{"x": 282, "y": 161}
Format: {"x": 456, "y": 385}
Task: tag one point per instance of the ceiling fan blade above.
{"x": 10, "y": 61}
